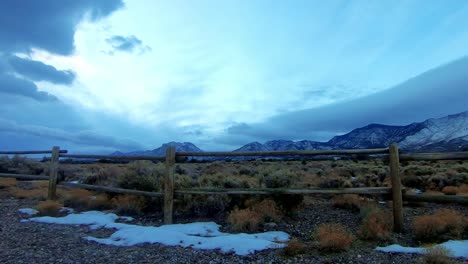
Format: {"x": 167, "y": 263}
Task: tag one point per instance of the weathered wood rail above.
{"x": 172, "y": 157}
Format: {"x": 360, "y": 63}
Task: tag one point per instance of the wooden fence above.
{"x": 172, "y": 157}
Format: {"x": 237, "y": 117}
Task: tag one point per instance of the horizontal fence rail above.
{"x": 112, "y": 157}
{"x": 282, "y": 153}
{"x": 370, "y": 190}
{"x": 30, "y": 152}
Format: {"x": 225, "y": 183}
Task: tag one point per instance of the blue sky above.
{"x": 100, "y": 76}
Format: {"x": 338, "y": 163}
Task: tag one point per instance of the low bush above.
{"x": 257, "y": 213}
{"x": 293, "y": 248}
{"x": 376, "y": 224}
{"x": 442, "y": 225}
{"x": 38, "y": 194}
{"x": 7, "y": 183}
{"x": 77, "y": 198}
{"x": 450, "y": 190}
{"x": 128, "y": 204}
{"x": 350, "y": 202}
{"x": 49, "y": 207}
{"x": 437, "y": 255}
{"x": 333, "y": 237}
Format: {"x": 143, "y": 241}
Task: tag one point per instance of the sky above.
{"x": 101, "y": 76}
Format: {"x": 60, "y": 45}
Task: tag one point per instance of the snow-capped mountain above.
{"x": 448, "y": 133}
{"x": 161, "y": 151}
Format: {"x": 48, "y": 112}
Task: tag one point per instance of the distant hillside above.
{"x": 448, "y": 133}
{"x": 161, "y": 151}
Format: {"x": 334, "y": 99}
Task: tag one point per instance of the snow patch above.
{"x": 458, "y": 248}
{"x": 201, "y": 235}
{"x": 28, "y": 211}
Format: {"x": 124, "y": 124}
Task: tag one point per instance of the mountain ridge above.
{"x": 449, "y": 133}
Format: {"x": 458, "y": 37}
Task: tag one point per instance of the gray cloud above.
{"x": 47, "y": 24}
{"x": 126, "y": 44}
{"x": 89, "y": 138}
{"x": 13, "y": 85}
{"x": 38, "y": 71}
{"x": 438, "y": 92}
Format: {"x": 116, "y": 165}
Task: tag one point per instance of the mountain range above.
{"x": 448, "y": 133}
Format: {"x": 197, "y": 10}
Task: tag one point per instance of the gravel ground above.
{"x": 45, "y": 243}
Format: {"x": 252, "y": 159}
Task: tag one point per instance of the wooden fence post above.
{"x": 53, "y": 168}
{"x": 394, "y": 161}
{"x": 169, "y": 185}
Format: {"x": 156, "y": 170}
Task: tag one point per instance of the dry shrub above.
{"x": 257, "y": 213}
{"x": 128, "y": 204}
{"x": 348, "y": 201}
{"x": 442, "y": 225}
{"x": 376, "y": 225}
{"x": 7, "y": 183}
{"x": 268, "y": 210}
{"x": 333, "y": 237}
{"x": 244, "y": 219}
{"x": 437, "y": 255}
{"x": 40, "y": 184}
{"x": 77, "y": 198}
{"x": 293, "y": 248}
{"x": 39, "y": 194}
{"x": 463, "y": 189}
{"x": 99, "y": 202}
{"x": 450, "y": 190}
{"x": 49, "y": 207}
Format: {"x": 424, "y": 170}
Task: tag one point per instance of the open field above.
{"x": 364, "y": 219}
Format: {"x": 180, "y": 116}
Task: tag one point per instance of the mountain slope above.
{"x": 448, "y": 133}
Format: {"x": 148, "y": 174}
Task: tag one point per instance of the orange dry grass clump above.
{"x": 244, "y": 220}
{"x": 257, "y": 213}
{"x": 333, "y": 237}
{"x": 294, "y": 247}
{"x": 463, "y": 189}
{"x": 442, "y": 225}
{"x": 377, "y": 224}
{"x": 437, "y": 255}
{"x": 40, "y": 194}
{"x": 77, "y": 198}
{"x": 129, "y": 204}
{"x": 348, "y": 201}
{"x": 49, "y": 207}
{"x": 7, "y": 182}
{"x": 40, "y": 184}
{"x": 450, "y": 190}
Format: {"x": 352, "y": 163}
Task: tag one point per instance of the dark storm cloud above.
{"x": 126, "y": 44}
{"x": 13, "y": 85}
{"x": 47, "y": 24}
{"x": 436, "y": 93}
{"x": 38, "y": 71}
{"x": 81, "y": 138}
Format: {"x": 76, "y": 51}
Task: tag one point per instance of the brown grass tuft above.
{"x": 442, "y": 225}
{"x": 7, "y": 183}
{"x": 77, "y": 198}
{"x": 40, "y": 184}
{"x": 333, "y": 237}
{"x": 128, "y": 204}
{"x": 39, "y": 194}
{"x": 244, "y": 219}
{"x": 99, "y": 202}
{"x": 376, "y": 225}
{"x": 450, "y": 190}
{"x": 437, "y": 255}
{"x": 293, "y": 248}
{"x": 257, "y": 213}
{"x": 49, "y": 207}
{"x": 348, "y": 201}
